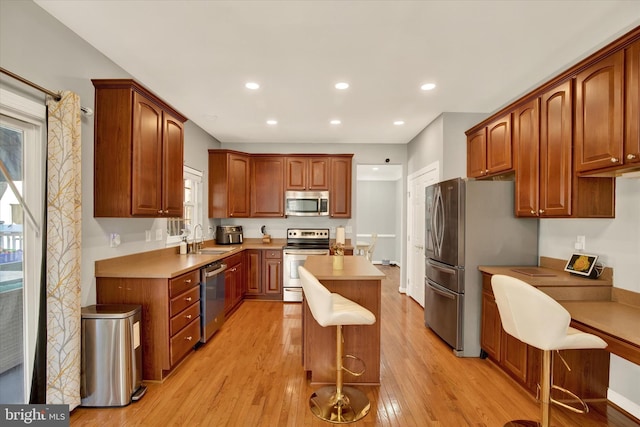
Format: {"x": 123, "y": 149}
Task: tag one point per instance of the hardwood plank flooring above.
{"x": 250, "y": 374}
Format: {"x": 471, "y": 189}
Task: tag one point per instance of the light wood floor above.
{"x": 250, "y": 374}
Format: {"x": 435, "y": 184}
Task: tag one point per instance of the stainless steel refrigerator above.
{"x": 468, "y": 224}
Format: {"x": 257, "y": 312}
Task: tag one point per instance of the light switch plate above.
{"x": 159, "y": 234}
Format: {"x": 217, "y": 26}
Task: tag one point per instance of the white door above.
{"x": 415, "y": 234}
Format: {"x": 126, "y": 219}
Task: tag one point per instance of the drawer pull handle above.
{"x": 187, "y": 281}
{"x": 187, "y": 299}
{"x": 189, "y": 338}
{"x": 188, "y": 316}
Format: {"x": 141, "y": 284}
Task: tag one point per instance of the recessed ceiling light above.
{"x": 272, "y": 122}
{"x": 342, "y": 85}
{"x": 398, "y": 122}
{"x": 428, "y": 86}
{"x": 335, "y": 122}
{"x": 252, "y": 85}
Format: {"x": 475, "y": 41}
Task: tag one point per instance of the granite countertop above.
{"x": 167, "y": 263}
{"x": 355, "y": 268}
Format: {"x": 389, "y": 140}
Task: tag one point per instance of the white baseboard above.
{"x": 624, "y": 403}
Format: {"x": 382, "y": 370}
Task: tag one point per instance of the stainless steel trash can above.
{"x": 111, "y": 370}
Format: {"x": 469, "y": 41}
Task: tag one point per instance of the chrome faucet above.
{"x": 197, "y": 246}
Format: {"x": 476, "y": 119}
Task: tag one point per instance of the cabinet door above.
{"x": 599, "y": 114}
{"x": 147, "y": 157}
{"x": 632, "y": 108}
{"x": 340, "y": 192}
{"x": 238, "y": 196}
{"x": 499, "y": 145}
{"x": 491, "y": 326}
{"x": 173, "y": 159}
{"x": 555, "y": 151}
{"x": 254, "y": 272}
{"x": 514, "y": 356}
{"x": 477, "y": 154}
{"x": 240, "y": 283}
{"x": 229, "y": 290}
{"x": 267, "y": 186}
{"x": 318, "y": 173}
{"x": 273, "y": 276}
{"x": 526, "y": 142}
{"x": 296, "y": 173}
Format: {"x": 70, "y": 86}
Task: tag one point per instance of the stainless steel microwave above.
{"x": 306, "y": 203}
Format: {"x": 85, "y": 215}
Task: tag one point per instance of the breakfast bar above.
{"x": 360, "y": 282}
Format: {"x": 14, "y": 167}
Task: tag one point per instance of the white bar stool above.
{"x": 535, "y": 318}
{"x": 339, "y": 404}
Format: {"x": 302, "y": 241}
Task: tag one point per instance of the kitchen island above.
{"x": 360, "y": 282}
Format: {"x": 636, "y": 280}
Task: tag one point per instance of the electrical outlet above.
{"x": 581, "y": 243}
{"x": 210, "y": 234}
{"x": 147, "y": 235}
{"x": 159, "y": 234}
{"x": 114, "y": 240}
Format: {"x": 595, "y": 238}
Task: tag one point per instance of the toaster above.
{"x": 228, "y": 235}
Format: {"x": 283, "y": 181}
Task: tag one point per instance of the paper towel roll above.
{"x": 340, "y": 235}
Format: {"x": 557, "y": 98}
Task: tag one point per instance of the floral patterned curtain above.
{"x": 63, "y": 250}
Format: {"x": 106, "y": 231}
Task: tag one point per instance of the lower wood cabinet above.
{"x": 234, "y": 282}
{"x": 264, "y": 269}
{"x": 170, "y": 316}
{"x": 589, "y": 375}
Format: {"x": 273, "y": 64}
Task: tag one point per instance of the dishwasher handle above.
{"x": 215, "y": 272}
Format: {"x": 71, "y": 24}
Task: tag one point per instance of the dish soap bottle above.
{"x": 183, "y": 246}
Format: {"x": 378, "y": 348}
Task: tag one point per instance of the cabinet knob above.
{"x": 486, "y": 171}
{"x": 187, "y": 281}
{"x": 160, "y": 211}
{"x": 614, "y": 160}
{"x": 187, "y": 299}
{"x": 166, "y": 211}
{"x": 189, "y": 338}
{"x": 188, "y": 316}
{"x": 632, "y": 156}
{"x": 541, "y": 211}
{"x": 533, "y": 212}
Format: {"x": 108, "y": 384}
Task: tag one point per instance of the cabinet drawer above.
{"x": 273, "y": 254}
{"x": 183, "y": 301}
{"x": 180, "y": 284}
{"x": 234, "y": 259}
{"x": 181, "y": 319}
{"x": 184, "y": 340}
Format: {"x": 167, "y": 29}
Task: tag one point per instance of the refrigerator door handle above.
{"x": 442, "y": 293}
{"x": 438, "y": 221}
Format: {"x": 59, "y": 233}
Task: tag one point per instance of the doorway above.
{"x": 379, "y": 210}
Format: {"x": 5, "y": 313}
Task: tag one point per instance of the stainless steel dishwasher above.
{"x": 211, "y": 299}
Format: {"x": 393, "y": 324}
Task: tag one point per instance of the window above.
{"x": 22, "y": 151}
{"x": 193, "y": 209}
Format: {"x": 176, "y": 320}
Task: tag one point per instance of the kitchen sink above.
{"x": 216, "y": 251}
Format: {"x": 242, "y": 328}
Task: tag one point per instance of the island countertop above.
{"x": 355, "y": 268}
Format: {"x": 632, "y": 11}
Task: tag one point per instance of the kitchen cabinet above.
{"x": 340, "y": 189}
{"x": 632, "y": 106}
{"x": 234, "y": 282}
{"x": 264, "y": 279}
{"x": 170, "y": 324}
{"x": 267, "y": 186}
{"x": 489, "y": 149}
{"x": 599, "y": 114}
{"x": 306, "y": 173}
{"x": 229, "y": 176}
{"x": 138, "y": 152}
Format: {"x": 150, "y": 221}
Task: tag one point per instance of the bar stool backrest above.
{"x": 317, "y": 296}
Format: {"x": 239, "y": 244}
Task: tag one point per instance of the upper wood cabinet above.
{"x": 138, "y": 153}
{"x": 340, "y": 190}
{"x": 306, "y": 173}
{"x": 229, "y": 175}
{"x": 267, "y": 186}
{"x": 489, "y": 149}
{"x": 632, "y": 107}
{"x": 600, "y": 114}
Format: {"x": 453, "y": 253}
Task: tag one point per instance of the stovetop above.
{"x": 307, "y": 238}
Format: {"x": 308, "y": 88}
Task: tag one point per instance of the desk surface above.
{"x": 355, "y": 268}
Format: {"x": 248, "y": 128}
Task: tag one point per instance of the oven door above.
{"x": 293, "y": 258}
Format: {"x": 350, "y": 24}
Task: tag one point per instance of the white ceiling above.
{"x": 197, "y": 55}
{"x": 378, "y": 172}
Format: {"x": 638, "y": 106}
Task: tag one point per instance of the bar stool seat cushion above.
{"x": 535, "y": 318}
{"x": 331, "y": 309}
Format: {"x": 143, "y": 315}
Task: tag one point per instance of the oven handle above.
{"x": 306, "y": 252}
{"x": 222, "y": 268}
{"x": 293, "y": 290}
